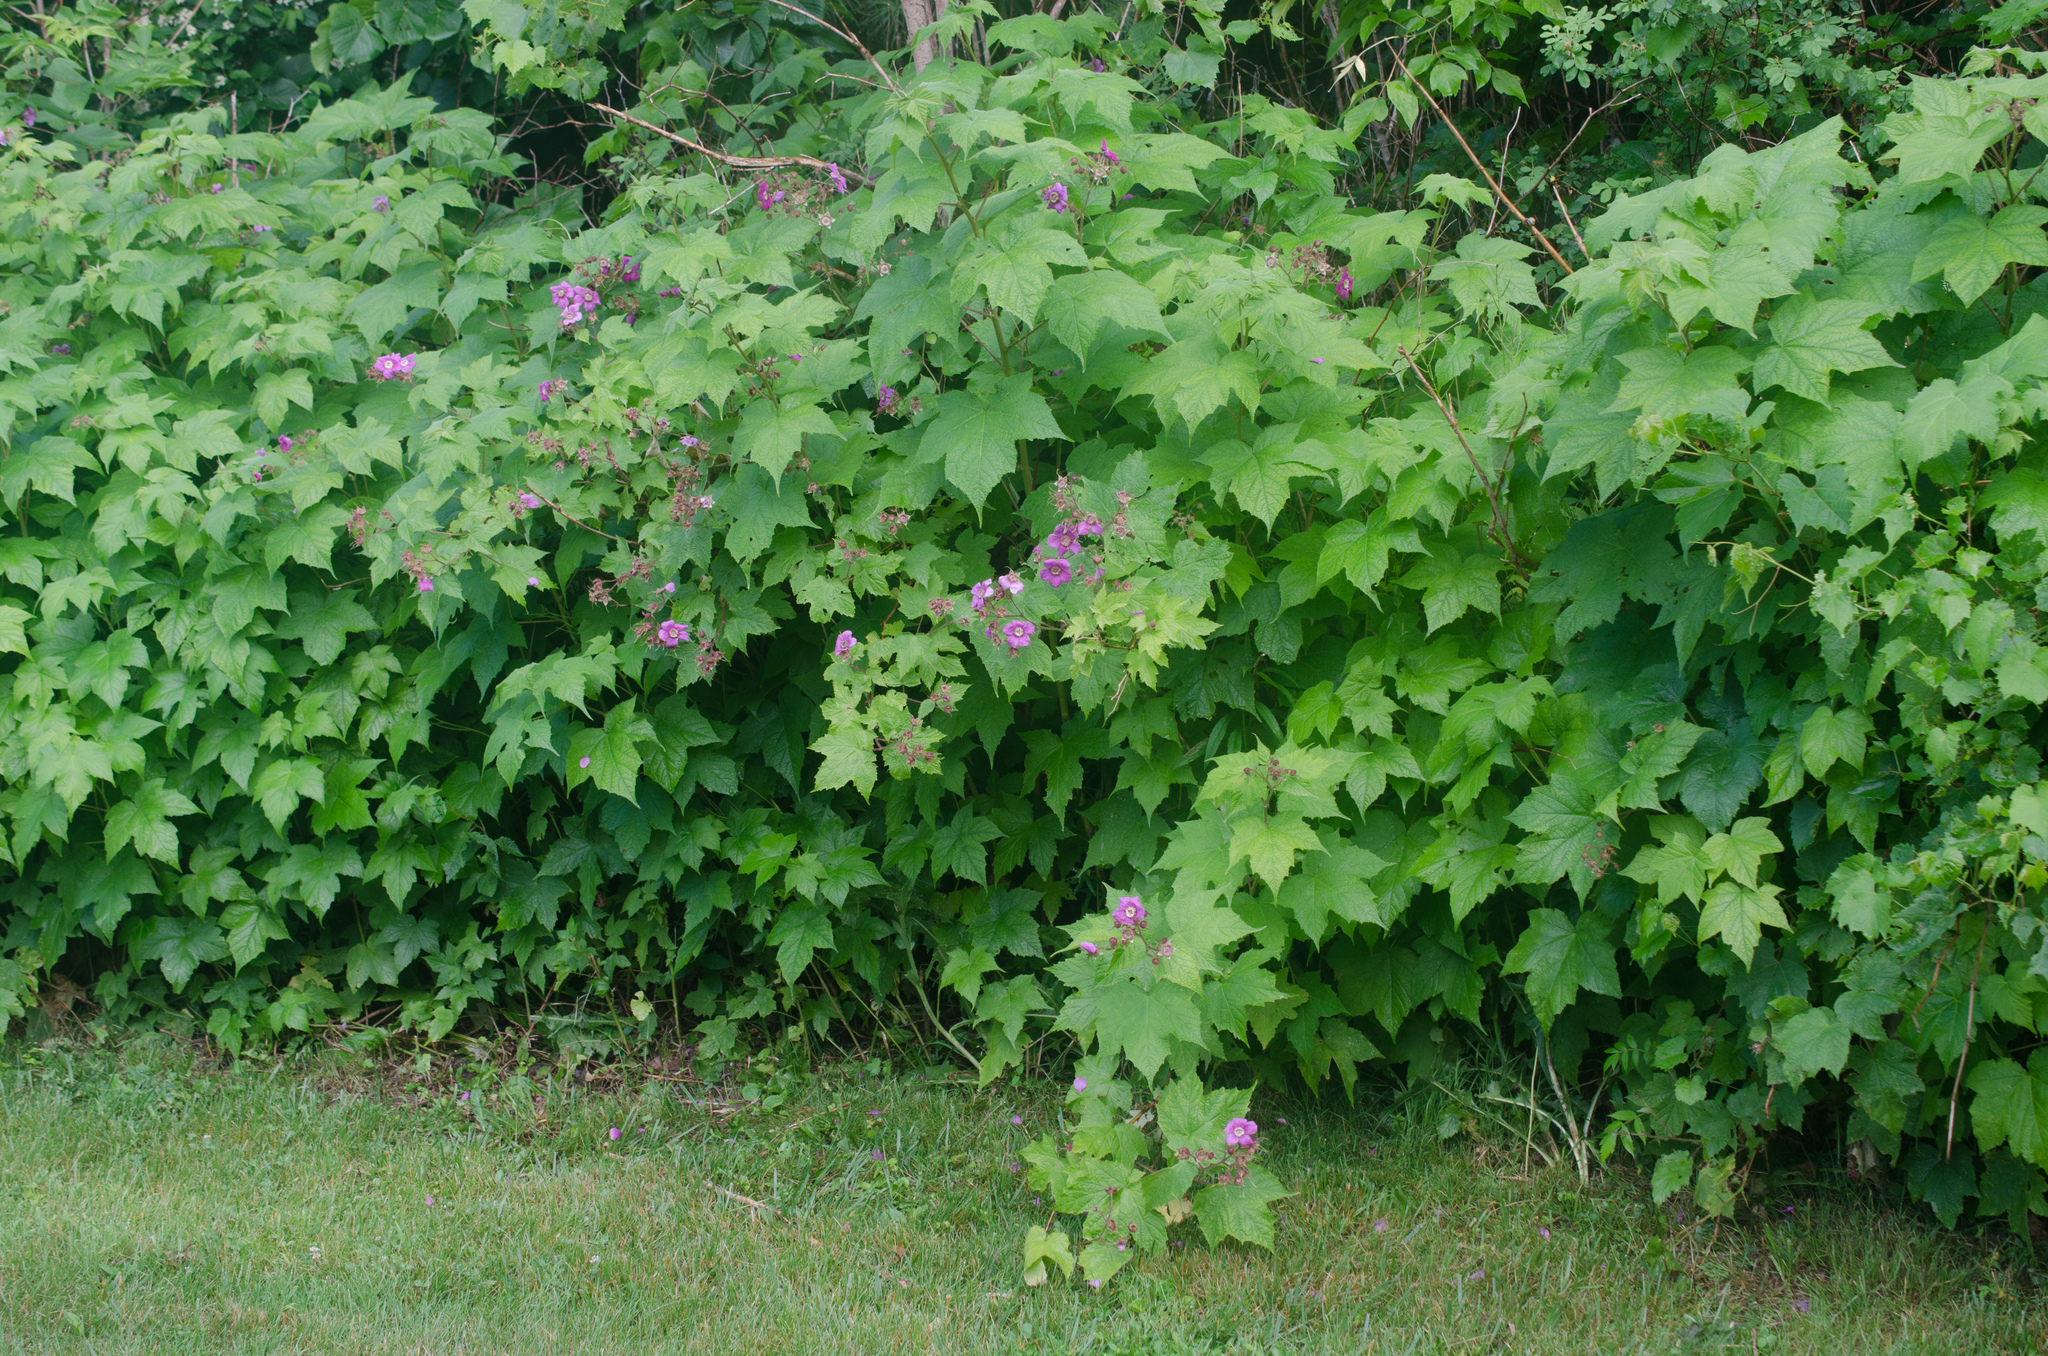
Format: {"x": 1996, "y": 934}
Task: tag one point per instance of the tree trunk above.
{"x": 918, "y": 14}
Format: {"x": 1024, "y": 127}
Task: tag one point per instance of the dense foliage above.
{"x": 1016, "y": 556}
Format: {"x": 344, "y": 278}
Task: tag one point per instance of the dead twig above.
{"x": 751, "y": 162}
{"x": 1500, "y": 521}
{"x": 732, "y": 1195}
{"x": 1480, "y": 165}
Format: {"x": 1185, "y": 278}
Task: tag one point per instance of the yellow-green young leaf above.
{"x": 144, "y": 819}
{"x": 1861, "y": 895}
{"x": 1736, "y": 913}
{"x": 1742, "y": 849}
{"x": 849, "y": 754}
{"x": 1042, "y": 1249}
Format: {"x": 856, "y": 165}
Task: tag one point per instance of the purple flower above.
{"x": 878, "y": 1155}
{"x": 584, "y": 761}
{"x": 1090, "y": 526}
{"x": 671, "y": 634}
{"x": 1542, "y": 1231}
{"x": 430, "y": 1202}
{"x": 1016, "y": 1120}
{"x": 215, "y": 190}
{"x": 1317, "y": 361}
{"x": 1129, "y": 912}
{"x": 393, "y": 367}
{"x": 669, "y": 587}
{"x": 284, "y": 444}
{"x": 761, "y": 195}
{"x": 547, "y": 390}
{"x": 1056, "y": 571}
{"x": 1108, "y": 154}
{"x": 1095, "y": 1283}
{"x": 529, "y": 501}
{"x": 1379, "y": 1226}
{"x": 981, "y": 593}
{"x": 1241, "y": 1133}
{"x": 1097, "y": 66}
{"x": 533, "y": 581}
{"x": 1055, "y": 197}
{"x": 1091, "y": 948}
{"x": 380, "y": 203}
{"x": 1017, "y": 634}
{"x": 28, "y": 117}
{"x": 1011, "y": 582}
{"x": 838, "y": 179}
{"x": 1345, "y": 285}
{"x": 690, "y": 440}
{"x": 61, "y": 350}
{"x": 844, "y": 645}
{"x": 1080, "y": 1084}
{"x": 628, "y": 270}
{"x": 885, "y": 400}
{"x": 575, "y": 302}
{"x": 1802, "y": 1304}
{"x": 613, "y": 1132}
{"x": 426, "y": 584}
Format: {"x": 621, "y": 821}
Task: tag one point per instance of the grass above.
{"x": 151, "y": 1203}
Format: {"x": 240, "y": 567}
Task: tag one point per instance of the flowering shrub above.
{"x": 1210, "y": 629}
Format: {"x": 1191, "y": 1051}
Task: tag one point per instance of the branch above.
{"x": 1500, "y": 522}
{"x": 1477, "y": 164}
{"x": 858, "y": 45}
{"x": 753, "y": 162}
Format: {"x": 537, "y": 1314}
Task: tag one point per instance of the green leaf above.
{"x": 181, "y": 945}
{"x": 1672, "y": 1173}
{"x": 1810, "y": 339}
{"x": 1081, "y": 306}
{"x": 144, "y": 819}
{"x": 1042, "y": 1248}
{"x": 1833, "y": 736}
{"x": 1561, "y": 957}
{"x": 1333, "y": 883}
{"x": 2011, "y": 1106}
{"x": 1971, "y": 252}
{"x": 1814, "y": 1041}
{"x": 1453, "y": 585}
{"x": 1664, "y": 383}
{"x": 1145, "y": 1023}
{"x": 771, "y": 437}
{"x": 1243, "y": 1211}
{"x": 610, "y": 757}
{"x": 1736, "y": 913}
{"x": 251, "y": 927}
{"x": 800, "y": 933}
{"x": 976, "y": 433}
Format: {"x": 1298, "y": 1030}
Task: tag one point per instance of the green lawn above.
{"x": 150, "y": 1205}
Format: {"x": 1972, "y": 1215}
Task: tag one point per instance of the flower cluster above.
{"x": 549, "y": 389}
{"x": 393, "y": 367}
{"x": 886, "y": 400}
{"x": 986, "y": 591}
{"x": 575, "y": 302}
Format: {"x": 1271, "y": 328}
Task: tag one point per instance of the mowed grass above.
{"x": 148, "y": 1204}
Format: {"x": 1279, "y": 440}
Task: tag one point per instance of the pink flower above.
{"x": 1016, "y": 1120}
{"x": 393, "y": 367}
{"x": 1345, "y": 285}
{"x": 885, "y": 400}
{"x": 426, "y": 584}
{"x": 533, "y": 581}
{"x": 574, "y": 302}
{"x": 1055, "y": 197}
{"x": 584, "y": 761}
{"x": 1129, "y": 912}
{"x": 981, "y": 593}
{"x": 844, "y": 645}
{"x": 613, "y": 1132}
{"x": 1056, "y": 571}
{"x": 1379, "y": 1226}
{"x": 1317, "y": 361}
{"x": 1108, "y": 154}
{"x": 761, "y": 195}
{"x": 547, "y": 390}
{"x": 380, "y": 203}
{"x": 1017, "y": 634}
{"x": 1011, "y": 582}
{"x": 529, "y": 500}
{"x": 838, "y": 179}
{"x": 284, "y": 444}
{"x": 1080, "y": 1084}
{"x": 671, "y": 634}
{"x": 1091, "y": 948}
{"x": 1241, "y": 1133}
{"x": 669, "y": 587}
